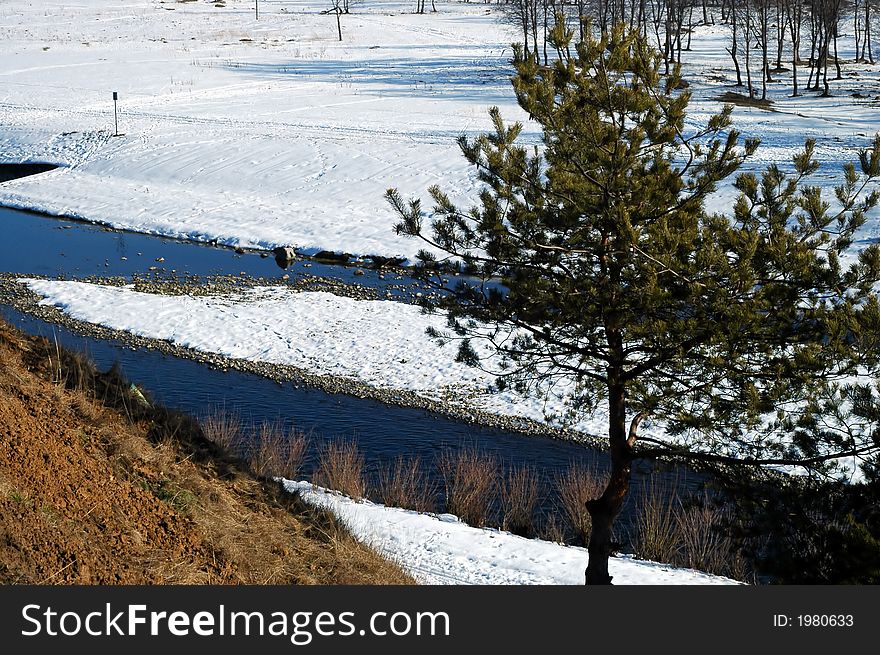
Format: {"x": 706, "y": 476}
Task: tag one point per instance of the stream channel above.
{"x": 33, "y": 244}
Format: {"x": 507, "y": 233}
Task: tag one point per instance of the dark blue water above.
{"x": 39, "y": 245}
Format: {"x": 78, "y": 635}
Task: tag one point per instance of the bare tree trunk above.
{"x": 823, "y": 62}
{"x": 533, "y": 9}
{"x": 780, "y": 32}
{"x": 836, "y": 56}
{"x": 690, "y": 28}
{"x": 857, "y": 28}
{"x": 794, "y": 14}
{"x": 544, "y": 29}
{"x": 815, "y": 46}
{"x": 667, "y": 41}
{"x": 764, "y": 17}
{"x": 733, "y": 49}
{"x": 748, "y": 48}
{"x": 581, "y": 19}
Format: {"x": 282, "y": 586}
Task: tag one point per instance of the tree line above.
{"x": 765, "y": 37}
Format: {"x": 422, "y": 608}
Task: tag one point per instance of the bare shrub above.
{"x": 224, "y": 429}
{"x": 687, "y": 532}
{"x": 341, "y": 467}
{"x": 519, "y": 497}
{"x": 404, "y": 484}
{"x": 552, "y": 529}
{"x": 470, "y": 481}
{"x": 278, "y": 453}
{"x": 704, "y": 543}
{"x": 575, "y": 486}
{"x": 655, "y": 523}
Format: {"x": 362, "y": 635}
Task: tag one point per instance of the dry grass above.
{"x": 519, "y": 497}
{"x": 225, "y": 430}
{"x": 470, "y": 481}
{"x": 686, "y": 532}
{"x": 403, "y": 483}
{"x": 552, "y": 529}
{"x": 341, "y": 467}
{"x": 655, "y": 524}
{"x": 278, "y": 453}
{"x": 575, "y": 486}
{"x": 704, "y": 543}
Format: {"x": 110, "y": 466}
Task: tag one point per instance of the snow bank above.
{"x": 439, "y": 549}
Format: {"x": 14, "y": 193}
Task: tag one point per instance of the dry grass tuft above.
{"x": 224, "y": 429}
{"x": 404, "y": 484}
{"x": 519, "y": 497}
{"x": 470, "y": 481}
{"x": 278, "y": 453}
{"x": 575, "y": 486}
{"x": 655, "y": 523}
{"x": 341, "y": 467}
{"x": 705, "y": 545}
{"x": 687, "y": 532}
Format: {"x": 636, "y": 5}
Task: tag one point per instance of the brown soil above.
{"x": 97, "y": 487}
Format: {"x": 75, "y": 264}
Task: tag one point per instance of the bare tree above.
{"x": 336, "y": 8}
{"x": 732, "y": 17}
{"x": 866, "y": 42}
{"x": 761, "y": 27}
{"x": 794, "y": 15}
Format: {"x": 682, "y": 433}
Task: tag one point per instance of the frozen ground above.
{"x": 439, "y": 549}
{"x": 272, "y": 132}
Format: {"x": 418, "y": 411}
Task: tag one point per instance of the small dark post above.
{"x": 115, "y": 117}
{"x": 256, "y": 9}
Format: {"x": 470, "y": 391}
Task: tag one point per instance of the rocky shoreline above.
{"x": 22, "y": 299}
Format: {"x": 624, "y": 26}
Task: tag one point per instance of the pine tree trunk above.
{"x": 604, "y": 510}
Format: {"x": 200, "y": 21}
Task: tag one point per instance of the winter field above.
{"x": 271, "y": 132}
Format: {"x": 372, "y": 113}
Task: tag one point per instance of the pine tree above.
{"x": 725, "y": 331}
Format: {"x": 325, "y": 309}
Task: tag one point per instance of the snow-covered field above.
{"x": 258, "y": 133}
{"x": 272, "y": 132}
{"x": 440, "y": 549}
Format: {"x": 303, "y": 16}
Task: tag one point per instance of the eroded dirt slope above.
{"x": 98, "y": 488}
